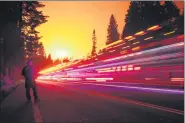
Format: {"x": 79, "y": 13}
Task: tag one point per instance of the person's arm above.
{"x": 23, "y": 70}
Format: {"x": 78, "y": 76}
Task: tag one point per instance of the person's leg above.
{"x": 34, "y": 88}
{"x": 28, "y": 96}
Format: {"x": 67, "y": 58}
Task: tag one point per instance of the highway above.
{"x": 95, "y": 102}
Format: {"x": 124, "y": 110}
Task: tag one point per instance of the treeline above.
{"x": 141, "y": 15}
{"x": 19, "y": 37}
{"x": 48, "y": 62}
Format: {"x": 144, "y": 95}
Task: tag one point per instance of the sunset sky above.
{"x": 70, "y": 25}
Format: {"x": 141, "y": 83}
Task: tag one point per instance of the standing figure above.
{"x": 29, "y": 74}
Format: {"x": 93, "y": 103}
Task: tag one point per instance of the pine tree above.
{"x": 57, "y": 61}
{"x": 133, "y": 14}
{"x": 93, "y": 52}
{"x": 66, "y": 60}
{"x": 170, "y": 10}
{"x": 180, "y": 23}
{"x": 40, "y": 49}
{"x": 11, "y": 43}
{"x": 32, "y": 18}
{"x": 142, "y": 15}
{"x": 152, "y": 13}
{"x": 40, "y": 56}
{"x": 49, "y": 60}
{"x": 112, "y": 31}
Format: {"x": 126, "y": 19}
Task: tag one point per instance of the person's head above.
{"x": 29, "y": 62}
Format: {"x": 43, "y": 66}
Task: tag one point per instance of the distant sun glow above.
{"x": 70, "y": 25}
{"x": 60, "y": 54}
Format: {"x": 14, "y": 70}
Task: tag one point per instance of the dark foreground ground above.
{"x": 65, "y": 102}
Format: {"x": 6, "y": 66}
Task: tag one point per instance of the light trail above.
{"x": 137, "y": 88}
{"x": 155, "y": 58}
{"x": 155, "y": 50}
{"x": 174, "y": 91}
{"x": 163, "y": 48}
{"x": 125, "y": 100}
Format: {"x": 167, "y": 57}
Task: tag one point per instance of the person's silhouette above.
{"x": 29, "y": 74}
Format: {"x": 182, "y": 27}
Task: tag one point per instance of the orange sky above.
{"x": 70, "y": 25}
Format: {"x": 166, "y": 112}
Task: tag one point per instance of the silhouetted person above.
{"x": 29, "y": 74}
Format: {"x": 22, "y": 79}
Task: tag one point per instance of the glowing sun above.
{"x": 60, "y": 53}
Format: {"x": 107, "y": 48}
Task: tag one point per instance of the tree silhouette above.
{"x": 170, "y": 10}
{"x": 112, "y": 31}
{"x": 40, "y": 49}
{"x": 57, "y": 61}
{"x": 180, "y": 23}
{"x": 49, "y": 60}
{"x": 142, "y": 15}
{"x": 93, "y": 52}
{"x": 32, "y": 18}
{"x": 17, "y": 28}
{"x": 39, "y": 57}
{"x": 133, "y": 14}
{"x": 66, "y": 60}
{"x": 152, "y": 13}
{"x": 11, "y": 43}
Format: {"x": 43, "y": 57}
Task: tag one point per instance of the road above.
{"x": 79, "y": 102}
